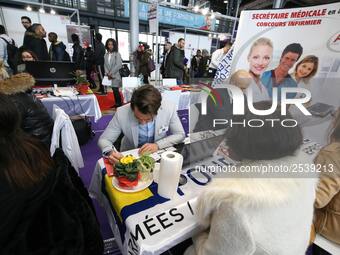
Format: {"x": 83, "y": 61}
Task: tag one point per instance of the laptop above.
{"x": 320, "y": 109}
{"x": 48, "y": 73}
{"x": 197, "y": 151}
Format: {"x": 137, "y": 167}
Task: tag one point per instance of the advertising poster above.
{"x": 309, "y": 36}
{"x": 282, "y": 49}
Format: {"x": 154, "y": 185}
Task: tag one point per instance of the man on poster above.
{"x": 279, "y": 76}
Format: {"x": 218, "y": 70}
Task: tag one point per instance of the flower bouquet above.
{"x": 130, "y": 170}
{"x": 82, "y": 85}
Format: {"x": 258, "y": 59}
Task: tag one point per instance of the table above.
{"x": 144, "y": 222}
{"x": 75, "y": 105}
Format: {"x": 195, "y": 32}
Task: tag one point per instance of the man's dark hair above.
{"x": 25, "y": 17}
{"x": 147, "y": 99}
{"x": 293, "y": 47}
{"x": 115, "y": 45}
{"x": 2, "y": 30}
{"x": 52, "y": 34}
{"x": 266, "y": 142}
{"x": 99, "y": 37}
{"x": 180, "y": 39}
{"x": 225, "y": 43}
{"x": 75, "y": 38}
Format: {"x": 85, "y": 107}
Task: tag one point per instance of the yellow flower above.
{"x": 127, "y": 159}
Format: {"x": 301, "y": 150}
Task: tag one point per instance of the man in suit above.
{"x": 145, "y": 123}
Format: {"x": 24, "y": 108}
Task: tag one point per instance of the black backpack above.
{"x": 12, "y": 52}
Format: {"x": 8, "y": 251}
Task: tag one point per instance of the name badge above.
{"x": 163, "y": 129}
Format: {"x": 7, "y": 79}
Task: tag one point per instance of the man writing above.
{"x": 279, "y": 76}
{"x": 145, "y": 123}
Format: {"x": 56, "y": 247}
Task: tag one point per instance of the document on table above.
{"x": 106, "y": 81}
{"x": 135, "y": 154}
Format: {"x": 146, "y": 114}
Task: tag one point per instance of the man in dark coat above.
{"x": 99, "y": 52}
{"x": 167, "y": 48}
{"x": 175, "y": 62}
{"x": 57, "y": 50}
{"x": 78, "y": 53}
{"x": 35, "y": 42}
{"x": 194, "y": 64}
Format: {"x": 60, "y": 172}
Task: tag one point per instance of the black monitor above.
{"x": 48, "y": 73}
{"x": 200, "y": 150}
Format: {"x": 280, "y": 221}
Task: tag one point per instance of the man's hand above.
{"x": 148, "y": 148}
{"x": 114, "y": 157}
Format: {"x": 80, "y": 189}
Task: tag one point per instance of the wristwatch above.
{"x": 106, "y": 154}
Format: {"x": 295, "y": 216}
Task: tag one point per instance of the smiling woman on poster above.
{"x": 259, "y": 57}
{"x": 305, "y": 71}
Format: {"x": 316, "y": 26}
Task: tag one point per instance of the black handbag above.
{"x": 124, "y": 71}
{"x": 83, "y": 128}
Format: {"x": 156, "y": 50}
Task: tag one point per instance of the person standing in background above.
{"x": 167, "y": 48}
{"x": 144, "y": 57}
{"x": 217, "y": 57}
{"x": 194, "y": 64}
{"x": 175, "y": 62}
{"x": 89, "y": 60}
{"x": 99, "y": 52}
{"x": 203, "y": 68}
{"x": 34, "y": 41}
{"x": 78, "y": 53}
{"x": 57, "y": 51}
{"x": 27, "y": 23}
{"x": 112, "y": 63}
{"x": 9, "y": 62}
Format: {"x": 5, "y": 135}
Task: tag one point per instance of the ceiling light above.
{"x": 225, "y": 1}
{"x": 196, "y": 8}
{"x": 52, "y": 12}
{"x": 28, "y": 8}
{"x": 205, "y": 11}
{"x": 42, "y": 10}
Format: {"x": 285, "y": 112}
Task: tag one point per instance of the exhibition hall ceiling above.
{"x": 267, "y": 4}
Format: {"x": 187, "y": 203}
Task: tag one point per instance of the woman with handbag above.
{"x": 112, "y": 65}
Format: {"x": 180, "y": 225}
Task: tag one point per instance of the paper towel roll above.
{"x": 170, "y": 170}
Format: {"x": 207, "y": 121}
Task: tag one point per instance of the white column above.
{"x": 134, "y": 32}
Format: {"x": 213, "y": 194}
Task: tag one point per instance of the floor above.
{"x": 91, "y": 154}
